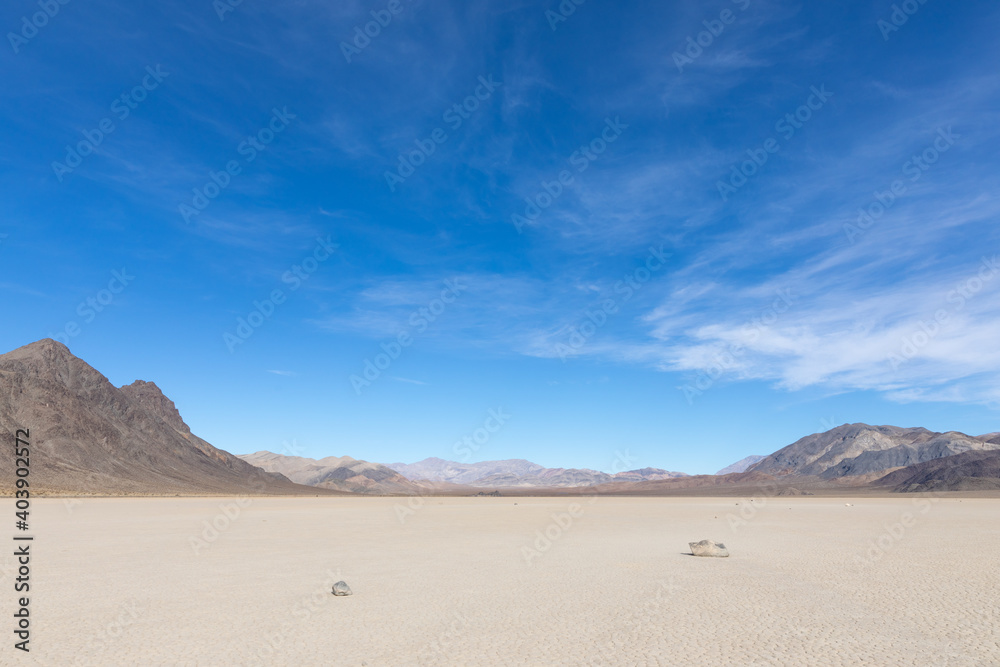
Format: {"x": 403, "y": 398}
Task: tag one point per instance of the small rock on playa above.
{"x": 341, "y": 588}
{"x": 709, "y": 548}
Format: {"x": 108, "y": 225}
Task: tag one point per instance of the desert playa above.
{"x": 514, "y": 581}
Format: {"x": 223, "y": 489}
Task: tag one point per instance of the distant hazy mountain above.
{"x": 646, "y": 475}
{"x": 88, "y": 436}
{"x": 860, "y": 449}
{"x": 518, "y": 473}
{"x": 439, "y": 470}
{"x": 338, "y": 473}
{"x": 741, "y": 465}
{"x": 971, "y": 471}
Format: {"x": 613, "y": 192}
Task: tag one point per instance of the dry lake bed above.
{"x": 510, "y": 581}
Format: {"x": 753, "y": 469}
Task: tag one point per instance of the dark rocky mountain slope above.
{"x": 860, "y": 449}
{"x": 970, "y": 471}
{"x": 88, "y": 436}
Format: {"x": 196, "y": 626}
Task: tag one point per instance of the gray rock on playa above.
{"x": 708, "y": 548}
{"x": 341, "y": 588}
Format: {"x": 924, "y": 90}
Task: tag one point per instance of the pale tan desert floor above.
{"x": 118, "y": 582}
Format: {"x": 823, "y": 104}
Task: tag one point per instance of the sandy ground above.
{"x": 469, "y": 581}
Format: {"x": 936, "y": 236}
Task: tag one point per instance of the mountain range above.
{"x": 91, "y": 437}
{"x": 337, "y": 473}
{"x": 519, "y": 473}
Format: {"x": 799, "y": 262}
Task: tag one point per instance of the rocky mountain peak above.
{"x": 149, "y": 397}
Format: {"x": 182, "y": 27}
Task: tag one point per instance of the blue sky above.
{"x": 633, "y": 243}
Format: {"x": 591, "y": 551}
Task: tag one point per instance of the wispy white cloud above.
{"x": 408, "y": 380}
